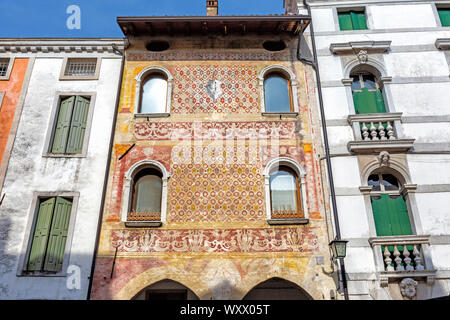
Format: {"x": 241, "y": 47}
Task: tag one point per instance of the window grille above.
{"x": 81, "y": 67}
{"x": 4, "y": 67}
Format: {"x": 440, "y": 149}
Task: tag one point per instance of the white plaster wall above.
{"x": 325, "y": 16}
{"x": 359, "y": 260}
{"x": 353, "y": 217}
{"x": 434, "y": 212}
{"x": 335, "y": 103}
{"x": 416, "y": 64}
{"x": 330, "y": 68}
{"x": 429, "y": 169}
{"x": 441, "y": 257}
{"x": 338, "y": 136}
{"x": 421, "y": 98}
{"x": 402, "y": 16}
{"x": 437, "y": 132}
{"x": 30, "y": 172}
{"x": 346, "y": 172}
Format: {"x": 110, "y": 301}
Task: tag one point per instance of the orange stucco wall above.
{"x": 12, "y": 89}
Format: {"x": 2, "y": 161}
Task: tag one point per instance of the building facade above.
{"x": 214, "y": 188}
{"x": 384, "y": 69}
{"x": 54, "y": 180}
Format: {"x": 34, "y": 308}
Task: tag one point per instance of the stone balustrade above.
{"x": 377, "y": 131}
{"x": 401, "y": 253}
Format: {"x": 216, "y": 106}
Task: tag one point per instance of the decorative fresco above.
{"x": 149, "y": 130}
{"x": 299, "y": 239}
{"x": 215, "y": 88}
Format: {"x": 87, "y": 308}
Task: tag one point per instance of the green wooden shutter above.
{"x": 63, "y": 125}
{"x": 444, "y": 16}
{"x": 365, "y": 101}
{"x": 358, "y": 20}
{"x": 40, "y": 237}
{"x": 345, "y": 21}
{"x": 391, "y": 216}
{"x": 58, "y": 235}
{"x": 78, "y": 125}
{"x": 379, "y": 101}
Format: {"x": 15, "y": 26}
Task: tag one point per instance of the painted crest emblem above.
{"x": 214, "y": 89}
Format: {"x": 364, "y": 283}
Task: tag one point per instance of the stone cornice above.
{"x": 61, "y": 45}
{"x": 354, "y": 47}
{"x": 443, "y": 44}
{"x": 374, "y": 117}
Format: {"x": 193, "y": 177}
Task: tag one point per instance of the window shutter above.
{"x": 365, "y": 101}
{"x": 40, "y": 237}
{"x": 379, "y": 101}
{"x": 400, "y": 218}
{"x": 444, "y": 16}
{"x": 345, "y": 21}
{"x": 381, "y": 216}
{"x": 58, "y": 235}
{"x": 63, "y": 125}
{"x": 78, "y": 125}
{"x": 358, "y": 20}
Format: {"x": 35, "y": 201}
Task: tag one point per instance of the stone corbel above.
{"x": 431, "y": 280}
{"x": 365, "y": 190}
{"x": 443, "y": 44}
{"x": 408, "y": 188}
{"x": 347, "y": 82}
{"x": 384, "y": 281}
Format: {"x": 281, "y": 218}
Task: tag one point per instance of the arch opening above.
{"x": 277, "y": 289}
{"x": 166, "y": 290}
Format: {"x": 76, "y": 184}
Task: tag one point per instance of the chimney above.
{"x": 212, "y": 7}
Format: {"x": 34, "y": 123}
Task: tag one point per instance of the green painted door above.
{"x": 391, "y": 216}
{"x": 366, "y": 101}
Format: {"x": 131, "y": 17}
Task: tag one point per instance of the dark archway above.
{"x": 166, "y": 290}
{"x": 277, "y": 289}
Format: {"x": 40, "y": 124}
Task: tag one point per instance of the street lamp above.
{"x": 338, "y": 247}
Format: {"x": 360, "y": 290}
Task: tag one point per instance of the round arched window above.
{"x": 154, "y": 94}
{"x": 147, "y": 191}
{"x": 277, "y": 93}
{"x": 285, "y": 194}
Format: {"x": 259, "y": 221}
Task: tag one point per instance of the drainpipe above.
{"x": 108, "y": 164}
{"x": 315, "y": 65}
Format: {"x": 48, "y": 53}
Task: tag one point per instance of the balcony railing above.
{"x": 143, "y": 219}
{"x": 377, "y": 132}
{"x": 402, "y": 255}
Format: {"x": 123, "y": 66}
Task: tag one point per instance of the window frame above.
{"x": 298, "y": 196}
{"x": 341, "y": 10}
{"x": 438, "y": 7}
{"x": 127, "y": 192}
{"x": 7, "y": 76}
{"x": 29, "y": 234}
{"x": 300, "y": 172}
{"x": 60, "y": 95}
{"x": 95, "y": 76}
{"x": 147, "y": 77}
{"x": 292, "y": 85}
{"x": 133, "y": 190}
{"x": 140, "y": 80}
{"x": 288, "y": 84}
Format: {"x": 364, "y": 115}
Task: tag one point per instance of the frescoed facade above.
{"x": 54, "y": 179}
{"x": 214, "y": 189}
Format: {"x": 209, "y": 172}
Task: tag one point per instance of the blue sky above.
{"x": 47, "y": 18}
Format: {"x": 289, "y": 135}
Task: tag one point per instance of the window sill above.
{"x": 287, "y": 221}
{"x": 280, "y": 114}
{"x": 74, "y": 78}
{"x": 5, "y": 78}
{"x": 54, "y": 155}
{"x": 41, "y": 274}
{"x": 151, "y": 115}
{"x": 142, "y": 224}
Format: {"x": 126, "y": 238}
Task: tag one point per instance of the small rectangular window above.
{"x": 4, "y": 64}
{"x": 77, "y": 67}
{"x": 49, "y": 236}
{"x": 352, "y": 20}
{"x": 444, "y": 16}
{"x": 70, "y": 127}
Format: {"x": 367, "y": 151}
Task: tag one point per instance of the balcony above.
{"x": 375, "y": 132}
{"x": 143, "y": 219}
{"x": 402, "y": 256}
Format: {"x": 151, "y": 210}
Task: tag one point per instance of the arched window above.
{"x": 388, "y": 205}
{"x": 147, "y": 191}
{"x": 367, "y": 92}
{"x": 154, "y": 94}
{"x": 277, "y": 93}
{"x": 285, "y": 195}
